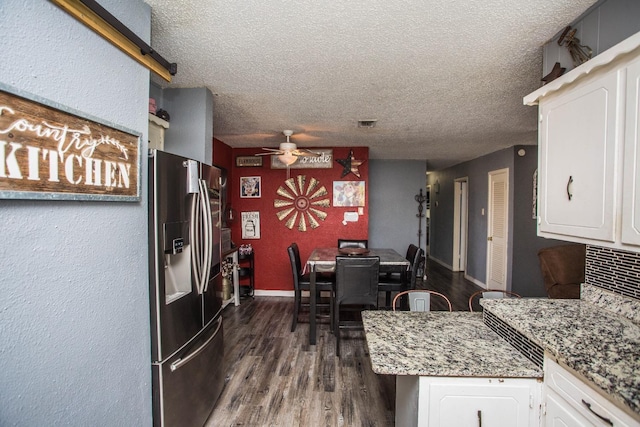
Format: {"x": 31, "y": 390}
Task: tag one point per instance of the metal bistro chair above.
{"x": 356, "y": 284}
{"x": 350, "y": 243}
{"x": 302, "y": 282}
{"x": 420, "y": 299}
{"x": 491, "y": 294}
{"x": 398, "y": 282}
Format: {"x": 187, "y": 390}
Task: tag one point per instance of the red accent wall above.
{"x": 272, "y": 268}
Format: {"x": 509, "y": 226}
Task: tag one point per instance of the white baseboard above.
{"x": 442, "y": 263}
{"x": 476, "y": 281}
{"x": 273, "y": 293}
{"x": 276, "y": 293}
{"x": 466, "y": 276}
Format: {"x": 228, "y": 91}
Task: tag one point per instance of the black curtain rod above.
{"x": 145, "y": 49}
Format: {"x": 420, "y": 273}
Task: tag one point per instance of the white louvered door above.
{"x": 497, "y": 222}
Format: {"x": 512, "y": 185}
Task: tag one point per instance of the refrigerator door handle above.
{"x": 195, "y": 240}
{"x": 182, "y": 361}
{"x": 208, "y": 226}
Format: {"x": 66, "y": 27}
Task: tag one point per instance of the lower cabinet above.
{"x": 570, "y": 402}
{"x": 457, "y": 401}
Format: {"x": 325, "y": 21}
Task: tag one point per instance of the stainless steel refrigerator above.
{"x": 185, "y": 289}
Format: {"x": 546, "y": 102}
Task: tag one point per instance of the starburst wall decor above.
{"x": 302, "y": 203}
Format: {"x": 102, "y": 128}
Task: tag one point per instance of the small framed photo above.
{"x": 348, "y": 193}
{"x": 250, "y": 225}
{"x": 250, "y": 187}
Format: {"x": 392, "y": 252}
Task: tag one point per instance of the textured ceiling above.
{"x": 443, "y": 78}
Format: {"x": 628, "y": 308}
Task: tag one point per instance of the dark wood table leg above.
{"x": 312, "y": 306}
{"x": 405, "y": 286}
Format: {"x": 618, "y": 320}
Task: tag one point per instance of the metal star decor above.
{"x": 302, "y": 203}
{"x": 350, "y": 165}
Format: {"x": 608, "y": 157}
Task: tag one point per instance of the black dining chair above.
{"x": 398, "y": 282}
{"x": 356, "y": 284}
{"x": 302, "y": 282}
{"x": 351, "y": 243}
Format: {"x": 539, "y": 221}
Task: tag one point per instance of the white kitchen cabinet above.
{"x": 588, "y": 128}
{"x": 458, "y": 401}
{"x": 157, "y": 127}
{"x": 631, "y": 181}
{"x": 569, "y": 401}
{"x": 577, "y": 160}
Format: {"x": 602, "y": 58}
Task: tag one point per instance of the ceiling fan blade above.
{"x": 271, "y": 152}
{"x": 305, "y": 152}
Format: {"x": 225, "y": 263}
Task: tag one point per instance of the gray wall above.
{"x": 604, "y": 25}
{"x": 190, "y": 132}
{"x": 523, "y": 274}
{"x": 392, "y": 206}
{"x": 74, "y": 306}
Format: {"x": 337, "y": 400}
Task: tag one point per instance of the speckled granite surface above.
{"x": 601, "y": 347}
{"x": 440, "y": 344}
{"x": 615, "y": 303}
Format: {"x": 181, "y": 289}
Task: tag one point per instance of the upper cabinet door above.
{"x": 631, "y": 180}
{"x": 578, "y": 143}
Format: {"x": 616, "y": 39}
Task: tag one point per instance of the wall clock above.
{"x": 301, "y": 203}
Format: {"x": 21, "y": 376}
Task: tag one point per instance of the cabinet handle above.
{"x": 606, "y": 420}
{"x": 479, "y": 418}
{"x": 569, "y": 195}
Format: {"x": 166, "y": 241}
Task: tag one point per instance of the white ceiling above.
{"x": 443, "y": 78}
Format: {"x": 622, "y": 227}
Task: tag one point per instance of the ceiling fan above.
{"x": 288, "y": 152}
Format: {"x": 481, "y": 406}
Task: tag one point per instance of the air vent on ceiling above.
{"x": 367, "y": 123}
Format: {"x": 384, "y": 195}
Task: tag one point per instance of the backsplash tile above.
{"x": 614, "y": 270}
{"x": 528, "y": 348}
{"x": 612, "y": 281}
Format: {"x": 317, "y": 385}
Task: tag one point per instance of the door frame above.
{"x": 460, "y": 223}
{"x": 427, "y": 218}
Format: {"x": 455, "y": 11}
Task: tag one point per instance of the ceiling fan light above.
{"x": 287, "y": 158}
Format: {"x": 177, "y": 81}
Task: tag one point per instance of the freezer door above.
{"x": 176, "y": 315}
{"x": 187, "y": 386}
{"x": 212, "y": 296}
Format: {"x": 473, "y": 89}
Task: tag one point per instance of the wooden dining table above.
{"x": 324, "y": 260}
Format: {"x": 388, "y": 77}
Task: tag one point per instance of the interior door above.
{"x": 497, "y": 227}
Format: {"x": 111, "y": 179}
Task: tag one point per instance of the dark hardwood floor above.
{"x": 275, "y": 378}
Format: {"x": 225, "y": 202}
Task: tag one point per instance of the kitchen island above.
{"x": 451, "y": 369}
{"x": 597, "y": 346}
{"x": 587, "y": 352}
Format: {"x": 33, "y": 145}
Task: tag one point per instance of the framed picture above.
{"x": 348, "y": 193}
{"x": 250, "y": 187}
{"x": 250, "y": 225}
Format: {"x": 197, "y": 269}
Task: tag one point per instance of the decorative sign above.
{"x": 348, "y": 193}
{"x": 323, "y": 161}
{"x": 350, "y": 165}
{"x": 250, "y": 225}
{"x": 47, "y": 153}
{"x": 301, "y": 203}
{"x": 248, "y": 161}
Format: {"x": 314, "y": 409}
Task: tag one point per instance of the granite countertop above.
{"x": 440, "y": 344}
{"x": 601, "y": 347}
